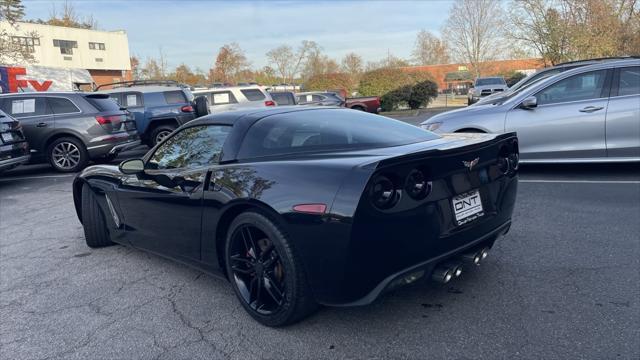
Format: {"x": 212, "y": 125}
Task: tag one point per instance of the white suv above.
{"x": 231, "y": 98}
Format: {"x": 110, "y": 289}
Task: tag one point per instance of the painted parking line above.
{"x": 580, "y": 181}
{"x": 36, "y": 177}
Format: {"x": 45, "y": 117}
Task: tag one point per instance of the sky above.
{"x": 192, "y": 32}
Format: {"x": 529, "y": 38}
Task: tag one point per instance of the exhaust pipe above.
{"x": 442, "y": 274}
{"x": 455, "y": 266}
{"x": 475, "y": 257}
{"x": 472, "y": 258}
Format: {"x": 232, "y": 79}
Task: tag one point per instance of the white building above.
{"x": 105, "y": 54}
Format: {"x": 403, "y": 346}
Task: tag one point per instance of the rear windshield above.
{"x": 283, "y": 98}
{"x": 326, "y": 130}
{"x": 253, "y": 94}
{"x": 103, "y": 103}
{"x": 175, "y": 97}
{"x": 490, "y": 81}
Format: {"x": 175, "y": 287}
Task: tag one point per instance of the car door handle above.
{"x": 41, "y": 124}
{"x": 590, "y": 109}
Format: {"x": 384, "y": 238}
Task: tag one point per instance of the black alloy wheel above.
{"x": 265, "y": 274}
{"x": 257, "y": 270}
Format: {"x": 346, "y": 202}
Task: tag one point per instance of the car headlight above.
{"x": 431, "y": 126}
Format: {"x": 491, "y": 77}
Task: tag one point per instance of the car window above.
{"x": 223, "y": 98}
{"x": 62, "y": 106}
{"x": 191, "y": 147}
{"x": 316, "y": 98}
{"x": 578, "y": 87}
{"x": 490, "y": 81}
{"x": 629, "y": 83}
{"x": 283, "y": 98}
{"x": 174, "y": 97}
{"x": 131, "y": 99}
{"x": 26, "y": 106}
{"x": 103, "y": 103}
{"x": 253, "y": 94}
{"x": 326, "y": 130}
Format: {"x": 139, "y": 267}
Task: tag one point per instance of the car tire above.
{"x": 297, "y": 302}
{"x": 96, "y": 233}
{"x": 160, "y": 133}
{"x": 359, "y": 108}
{"x": 202, "y": 106}
{"x": 67, "y": 154}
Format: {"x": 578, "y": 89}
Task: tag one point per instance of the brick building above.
{"x": 452, "y": 76}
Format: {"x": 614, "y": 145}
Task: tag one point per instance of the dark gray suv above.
{"x": 68, "y": 129}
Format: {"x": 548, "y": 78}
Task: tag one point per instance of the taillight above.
{"x": 103, "y": 120}
{"x": 384, "y": 192}
{"x": 187, "y": 108}
{"x": 269, "y": 103}
{"x": 417, "y": 185}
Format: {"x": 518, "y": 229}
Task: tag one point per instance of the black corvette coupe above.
{"x": 305, "y": 206}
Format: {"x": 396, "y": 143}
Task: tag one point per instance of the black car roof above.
{"x": 242, "y": 117}
{"x": 242, "y": 121}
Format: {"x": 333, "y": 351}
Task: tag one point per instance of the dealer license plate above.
{"x": 467, "y": 207}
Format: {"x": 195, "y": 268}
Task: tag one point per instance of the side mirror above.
{"x": 131, "y": 167}
{"x": 529, "y": 103}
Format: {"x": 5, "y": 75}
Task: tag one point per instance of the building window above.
{"x": 26, "y": 44}
{"x": 98, "y": 59}
{"x": 66, "y": 46}
{"x": 96, "y": 46}
{"x": 69, "y": 58}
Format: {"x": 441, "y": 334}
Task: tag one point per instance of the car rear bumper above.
{"x": 14, "y": 154}
{"x": 423, "y": 270}
{"x": 112, "y": 144}
{"x": 11, "y": 162}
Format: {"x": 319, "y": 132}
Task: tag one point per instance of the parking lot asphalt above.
{"x": 564, "y": 283}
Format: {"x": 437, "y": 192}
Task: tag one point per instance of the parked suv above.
{"x": 70, "y": 128}
{"x": 587, "y": 114}
{"x": 14, "y": 149}
{"x": 159, "y": 107}
{"x": 485, "y": 87}
{"x": 231, "y": 98}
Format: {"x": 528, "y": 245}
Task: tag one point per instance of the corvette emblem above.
{"x": 471, "y": 164}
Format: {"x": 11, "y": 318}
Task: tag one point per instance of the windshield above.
{"x": 490, "y": 81}
{"x": 327, "y": 130}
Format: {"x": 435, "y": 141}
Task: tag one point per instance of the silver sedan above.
{"x": 588, "y": 114}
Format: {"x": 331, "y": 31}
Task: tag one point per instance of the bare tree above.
{"x": 230, "y": 61}
{"x": 389, "y": 62}
{"x": 318, "y": 63}
{"x": 68, "y": 17}
{"x": 14, "y": 46}
{"x": 352, "y": 64}
{"x": 151, "y": 70}
{"x": 474, "y": 31}
{"x": 289, "y": 63}
{"x": 542, "y": 25}
{"x": 429, "y": 49}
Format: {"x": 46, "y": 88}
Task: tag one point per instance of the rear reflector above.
{"x": 310, "y": 208}
{"x": 187, "y": 108}
{"x": 269, "y": 103}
